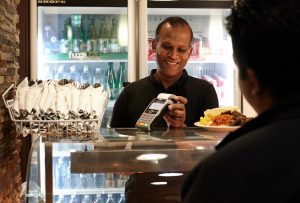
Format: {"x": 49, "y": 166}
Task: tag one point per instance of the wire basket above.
{"x": 78, "y": 129}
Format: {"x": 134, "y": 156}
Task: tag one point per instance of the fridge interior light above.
{"x": 216, "y": 33}
{"x": 123, "y": 31}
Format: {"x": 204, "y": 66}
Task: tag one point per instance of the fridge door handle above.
{"x": 143, "y": 38}
{"x": 132, "y": 53}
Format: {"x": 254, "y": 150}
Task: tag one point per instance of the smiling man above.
{"x": 173, "y": 48}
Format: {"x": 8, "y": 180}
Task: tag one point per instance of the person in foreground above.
{"x": 259, "y": 162}
{"x": 173, "y": 48}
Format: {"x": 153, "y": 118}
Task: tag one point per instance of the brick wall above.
{"x": 10, "y": 173}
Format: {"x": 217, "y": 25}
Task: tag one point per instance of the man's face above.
{"x": 172, "y": 50}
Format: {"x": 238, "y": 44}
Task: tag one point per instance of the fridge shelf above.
{"x": 207, "y": 60}
{"x": 87, "y": 191}
{"x": 83, "y": 61}
{"x": 72, "y": 129}
{"x": 86, "y": 56}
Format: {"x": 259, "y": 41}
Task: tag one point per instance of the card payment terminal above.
{"x": 154, "y": 112}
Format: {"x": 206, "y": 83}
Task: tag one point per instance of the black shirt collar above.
{"x": 178, "y": 84}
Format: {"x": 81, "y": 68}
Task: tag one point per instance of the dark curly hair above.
{"x": 266, "y": 38}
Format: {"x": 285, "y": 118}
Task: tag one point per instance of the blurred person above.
{"x": 172, "y": 44}
{"x": 259, "y": 162}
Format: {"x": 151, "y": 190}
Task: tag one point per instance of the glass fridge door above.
{"x": 50, "y": 177}
{"x": 86, "y": 42}
{"x": 211, "y": 58}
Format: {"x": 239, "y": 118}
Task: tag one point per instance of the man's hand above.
{"x": 176, "y": 114}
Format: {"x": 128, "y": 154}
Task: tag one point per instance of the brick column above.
{"x": 10, "y": 173}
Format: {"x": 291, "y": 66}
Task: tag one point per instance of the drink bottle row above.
{"x": 98, "y": 198}
{"x": 82, "y": 33}
{"x": 64, "y": 179}
{"x": 111, "y": 75}
{"x": 217, "y": 80}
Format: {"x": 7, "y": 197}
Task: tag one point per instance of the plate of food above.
{"x": 217, "y": 128}
{"x": 223, "y": 119}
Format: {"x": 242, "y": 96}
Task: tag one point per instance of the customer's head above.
{"x": 172, "y": 43}
{"x": 266, "y": 39}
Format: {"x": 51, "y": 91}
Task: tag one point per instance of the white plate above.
{"x": 217, "y": 128}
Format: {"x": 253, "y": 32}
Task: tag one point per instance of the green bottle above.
{"x": 91, "y": 44}
{"x": 78, "y": 43}
{"x": 111, "y": 82}
{"x": 103, "y": 37}
{"x": 114, "y": 32}
{"x": 66, "y": 37}
{"x": 122, "y": 77}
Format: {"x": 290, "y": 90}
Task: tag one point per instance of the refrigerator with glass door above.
{"x": 211, "y": 58}
{"x": 88, "y": 42}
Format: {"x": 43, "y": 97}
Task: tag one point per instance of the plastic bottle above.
{"x": 72, "y": 178}
{"x": 103, "y": 37}
{"x": 64, "y": 45}
{"x": 74, "y": 74}
{"x": 86, "y": 76}
{"x": 61, "y": 199}
{"x": 86, "y": 199}
{"x": 99, "y": 199}
{"x": 85, "y": 180}
{"x": 99, "y": 180}
{"x": 122, "y": 77}
{"x": 73, "y": 199}
{"x": 111, "y": 81}
{"x": 110, "y": 180}
{"x": 91, "y": 44}
{"x": 60, "y": 174}
{"x": 110, "y": 199}
{"x": 122, "y": 198}
{"x": 47, "y": 72}
{"x": 121, "y": 181}
{"x": 61, "y": 73}
{"x": 98, "y": 76}
{"x": 114, "y": 32}
{"x": 51, "y": 44}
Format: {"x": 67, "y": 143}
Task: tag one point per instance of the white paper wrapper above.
{"x": 61, "y": 103}
{"x": 32, "y": 95}
{"x": 21, "y": 91}
{"x": 52, "y": 93}
{"x": 75, "y": 99}
{"x": 68, "y": 94}
{"x": 96, "y": 100}
{"x": 103, "y": 103}
{"x": 44, "y": 95}
{"x": 39, "y": 91}
{"x": 50, "y": 99}
{"x": 85, "y": 100}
